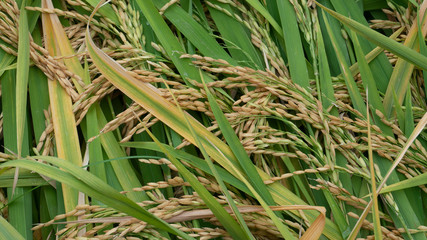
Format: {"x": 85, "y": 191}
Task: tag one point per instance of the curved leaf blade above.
{"x": 86, "y": 182}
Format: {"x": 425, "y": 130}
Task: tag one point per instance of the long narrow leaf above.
{"x": 370, "y": 86}
{"x": 225, "y": 218}
{"x": 94, "y": 147}
{"x": 375, "y": 210}
{"x": 326, "y": 89}
{"x": 355, "y": 95}
{"x": 247, "y": 165}
{"x": 67, "y": 141}
{"x": 84, "y": 181}
{"x": 19, "y": 209}
{"x": 22, "y": 70}
{"x": 407, "y": 183}
{"x": 123, "y": 169}
{"x": 294, "y": 50}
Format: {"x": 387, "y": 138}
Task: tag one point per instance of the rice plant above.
{"x": 213, "y": 119}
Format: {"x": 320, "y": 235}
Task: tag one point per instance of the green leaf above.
{"x": 236, "y": 37}
{"x": 373, "y": 54}
{"x": 218, "y": 177}
{"x": 402, "y": 73}
{"x": 262, "y": 194}
{"x": 20, "y": 213}
{"x": 22, "y": 222}
{"x": 374, "y": 4}
{"x": 423, "y": 47}
{"x": 399, "y": 112}
{"x": 356, "y": 97}
{"x": 400, "y": 50}
{"x": 168, "y": 40}
{"x": 223, "y": 216}
{"x": 94, "y": 147}
{"x": 7, "y": 231}
{"x": 407, "y": 183}
{"x": 375, "y": 210}
{"x": 22, "y": 70}
{"x": 261, "y": 9}
{"x": 326, "y": 88}
{"x": 409, "y": 116}
{"x": 194, "y": 32}
{"x": 294, "y": 50}
{"x": 86, "y": 182}
{"x": 26, "y": 179}
{"x": 370, "y": 86}
{"x": 122, "y": 169}
{"x": 381, "y": 64}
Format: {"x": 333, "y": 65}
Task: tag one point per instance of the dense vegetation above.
{"x": 157, "y": 119}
